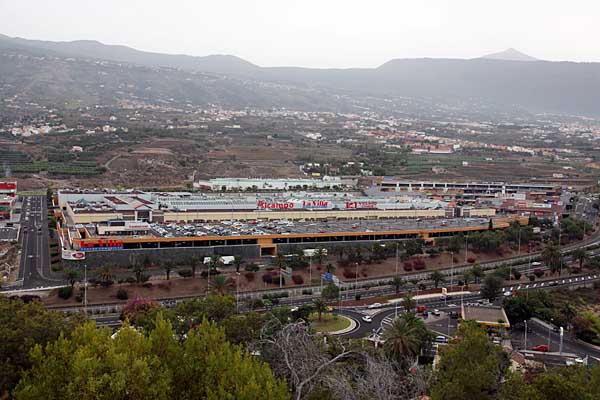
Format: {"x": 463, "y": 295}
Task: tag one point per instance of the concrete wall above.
{"x": 178, "y": 255}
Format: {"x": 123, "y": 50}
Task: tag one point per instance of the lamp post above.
{"x": 452, "y": 269}
{"x": 356, "y": 282}
{"x": 85, "y": 301}
{"x": 397, "y": 245}
{"x": 237, "y": 293}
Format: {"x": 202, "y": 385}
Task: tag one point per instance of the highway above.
{"x": 35, "y": 257}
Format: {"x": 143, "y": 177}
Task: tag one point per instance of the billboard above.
{"x": 73, "y": 255}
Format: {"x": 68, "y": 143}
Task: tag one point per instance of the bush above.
{"x": 349, "y": 274}
{"x": 297, "y": 279}
{"x": 250, "y": 276}
{"x": 252, "y": 267}
{"x": 407, "y": 266}
{"x": 257, "y": 303}
{"x": 122, "y": 294}
{"x": 538, "y": 273}
{"x": 130, "y": 279}
{"x": 65, "y": 292}
{"x": 267, "y": 278}
{"x": 471, "y": 260}
{"x": 185, "y": 273}
{"x": 419, "y": 264}
{"x": 307, "y": 292}
{"x": 517, "y": 274}
{"x": 531, "y": 278}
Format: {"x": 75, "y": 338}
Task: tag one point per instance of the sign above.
{"x": 101, "y": 245}
{"x": 73, "y": 255}
{"x": 328, "y": 277}
{"x": 361, "y": 204}
{"x": 315, "y": 204}
{"x": 274, "y": 206}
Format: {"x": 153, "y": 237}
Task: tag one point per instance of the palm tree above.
{"x": 320, "y": 307}
{"x": 437, "y": 277}
{"x": 106, "y": 274}
{"x": 320, "y": 253}
{"x": 72, "y": 276}
{"x": 467, "y": 277}
{"x": 581, "y": 255}
{"x": 194, "y": 262}
{"x": 330, "y": 267}
{"x": 340, "y": 250}
{"x": 220, "y": 284}
{"x": 405, "y": 337}
{"x": 477, "y": 272}
{"x": 280, "y": 259}
{"x": 397, "y": 282}
{"x": 238, "y": 261}
{"x": 168, "y": 267}
{"x": 215, "y": 261}
{"x": 552, "y": 257}
{"x": 408, "y": 303}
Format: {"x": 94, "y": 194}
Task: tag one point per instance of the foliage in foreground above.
{"x": 91, "y": 364}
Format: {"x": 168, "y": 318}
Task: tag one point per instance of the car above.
{"x": 507, "y": 293}
{"x": 436, "y": 312}
{"x": 453, "y": 314}
{"x": 541, "y": 347}
{"x": 553, "y": 283}
{"x": 452, "y": 305}
{"x": 425, "y": 314}
{"x": 367, "y": 318}
{"x": 375, "y": 305}
{"x": 441, "y": 339}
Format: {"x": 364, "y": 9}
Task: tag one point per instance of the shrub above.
{"x": 252, "y": 267}
{"x": 407, "y": 266}
{"x": 297, "y": 279}
{"x": 257, "y": 303}
{"x": 267, "y": 278}
{"x": 538, "y": 273}
{"x": 122, "y": 294}
{"x": 471, "y": 260}
{"x": 517, "y": 274}
{"x": 419, "y": 264}
{"x": 307, "y": 292}
{"x": 531, "y": 277}
{"x": 65, "y": 292}
{"x": 249, "y": 276}
{"x": 349, "y": 274}
{"x": 185, "y": 273}
{"x": 130, "y": 279}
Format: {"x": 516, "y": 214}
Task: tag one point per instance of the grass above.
{"x": 329, "y": 322}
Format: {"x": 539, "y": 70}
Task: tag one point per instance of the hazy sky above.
{"x": 318, "y": 33}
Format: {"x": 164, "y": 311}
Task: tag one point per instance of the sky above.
{"x": 318, "y": 33}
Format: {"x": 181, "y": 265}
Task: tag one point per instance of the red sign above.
{"x": 315, "y": 204}
{"x": 274, "y": 206}
{"x": 102, "y": 244}
{"x": 361, "y": 204}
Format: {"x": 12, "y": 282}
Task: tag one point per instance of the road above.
{"x": 35, "y": 257}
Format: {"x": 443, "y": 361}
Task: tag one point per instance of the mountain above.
{"x": 509, "y": 55}
{"x": 225, "y": 64}
{"x": 496, "y": 82}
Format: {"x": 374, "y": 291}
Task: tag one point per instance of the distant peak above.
{"x": 510, "y": 55}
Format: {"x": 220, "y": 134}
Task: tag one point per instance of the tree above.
{"x": 552, "y": 257}
{"x": 189, "y": 314}
{"x": 580, "y": 254}
{"x": 320, "y": 307}
{"x": 320, "y": 253}
{"x": 437, "y": 277}
{"x": 477, "y": 272}
{"x": 397, "y": 282}
{"x": 405, "y": 337}
{"x": 408, "y": 303}
{"x": 280, "y": 260}
{"x": 138, "y": 268}
{"x": 491, "y": 287}
{"x": 455, "y": 244}
{"x": 467, "y": 277}
{"x": 220, "y": 284}
{"x": 330, "y": 292}
{"x": 330, "y": 267}
{"x": 106, "y": 275}
{"x": 237, "y": 262}
{"x": 72, "y": 276}
{"x": 22, "y": 326}
{"x": 93, "y": 365}
{"x": 194, "y": 262}
{"x": 168, "y": 267}
{"x": 470, "y": 367}
{"x": 517, "y": 309}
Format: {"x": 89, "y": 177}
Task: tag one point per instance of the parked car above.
{"x": 425, "y": 314}
{"x": 375, "y": 305}
{"x": 540, "y": 347}
{"x": 441, "y": 339}
{"x": 436, "y": 312}
{"x": 421, "y": 309}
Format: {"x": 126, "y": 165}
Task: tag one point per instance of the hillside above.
{"x": 497, "y": 81}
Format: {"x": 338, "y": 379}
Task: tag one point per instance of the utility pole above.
{"x": 85, "y": 301}
{"x": 452, "y": 269}
{"x": 237, "y": 293}
{"x": 525, "y": 345}
{"x": 356, "y": 282}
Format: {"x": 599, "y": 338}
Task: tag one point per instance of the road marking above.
{"x": 534, "y": 285}
{"x": 542, "y": 284}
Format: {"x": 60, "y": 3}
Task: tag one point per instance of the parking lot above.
{"x": 283, "y": 227}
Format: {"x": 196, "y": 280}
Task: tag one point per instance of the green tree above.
{"x": 72, "y": 276}
{"x": 22, "y": 326}
{"x": 580, "y": 254}
{"x": 477, "y": 272}
{"x": 330, "y": 292}
{"x": 237, "y": 262}
{"x": 408, "y": 303}
{"x": 220, "y": 284}
{"x": 470, "y": 367}
{"x": 397, "y": 283}
{"x": 491, "y": 287}
{"x": 320, "y": 307}
{"x": 106, "y": 275}
{"x": 168, "y": 267}
{"x": 437, "y": 277}
{"x": 406, "y": 337}
{"x": 552, "y": 257}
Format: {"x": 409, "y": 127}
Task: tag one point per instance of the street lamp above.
{"x": 237, "y": 293}
{"x": 85, "y": 301}
{"x": 356, "y": 282}
{"x": 452, "y": 269}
